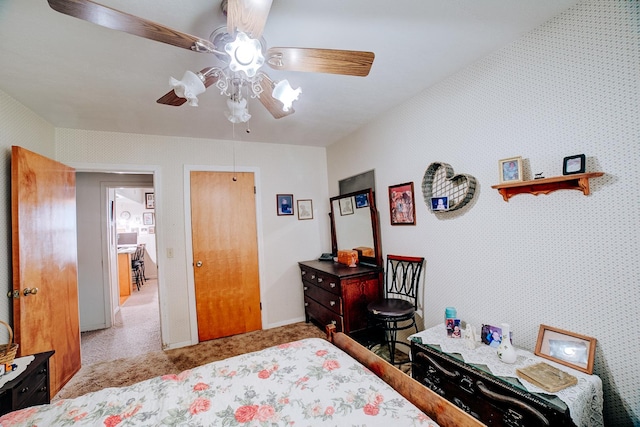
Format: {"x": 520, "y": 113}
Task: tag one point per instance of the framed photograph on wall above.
{"x": 147, "y": 218}
{"x": 346, "y": 206}
{"x": 510, "y": 169}
{"x": 284, "y": 204}
{"x": 305, "y": 209}
{"x": 402, "y": 204}
{"x": 149, "y": 201}
{"x": 567, "y": 348}
{"x": 362, "y": 201}
{"x": 574, "y": 164}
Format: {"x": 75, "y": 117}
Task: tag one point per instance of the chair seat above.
{"x": 391, "y": 308}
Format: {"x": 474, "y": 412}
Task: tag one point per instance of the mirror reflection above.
{"x": 354, "y": 225}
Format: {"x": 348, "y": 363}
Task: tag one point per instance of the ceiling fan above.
{"x": 241, "y": 51}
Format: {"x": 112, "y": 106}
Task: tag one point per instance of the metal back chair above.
{"x": 396, "y": 312}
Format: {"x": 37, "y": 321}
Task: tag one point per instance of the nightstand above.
{"x": 30, "y": 388}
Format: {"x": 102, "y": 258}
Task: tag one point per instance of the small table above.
{"x": 30, "y": 388}
{"x": 480, "y": 374}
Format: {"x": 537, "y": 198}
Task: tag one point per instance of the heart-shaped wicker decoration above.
{"x": 439, "y": 181}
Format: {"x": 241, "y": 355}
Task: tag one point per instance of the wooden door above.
{"x": 43, "y": 207}
{"x": 225, "y": 253}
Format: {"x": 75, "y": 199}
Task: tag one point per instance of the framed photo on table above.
{"x": 567, "y": 348}
{"x": 510, "y": 169}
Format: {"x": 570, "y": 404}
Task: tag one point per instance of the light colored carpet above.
{"x": 131, "y": 370}
{"x": 136, "y": 329}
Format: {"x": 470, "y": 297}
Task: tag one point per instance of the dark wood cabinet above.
{"x": 30, "y": 388}
{"x": 492, "y": 400}
{"x": 335, "y": 293}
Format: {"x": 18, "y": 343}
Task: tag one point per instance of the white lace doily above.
{"x": 22, "y": 363}
{"x": 584, "y": 399}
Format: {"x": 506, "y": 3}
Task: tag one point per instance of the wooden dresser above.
{"x": 335, "y": 293}
{"x": 493, "y": 400}
{"x": 30, "y": 388}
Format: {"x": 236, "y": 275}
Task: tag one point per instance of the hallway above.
{"x": 136, "y": 329}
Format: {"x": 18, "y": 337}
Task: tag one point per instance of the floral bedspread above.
{"x": 302, "y": 383}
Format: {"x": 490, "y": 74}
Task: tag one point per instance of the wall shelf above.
{"x": 578, "y": 182}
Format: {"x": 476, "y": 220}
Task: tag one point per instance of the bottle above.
{"x": 506, "y": 351}
{"x": 449, "y": 313}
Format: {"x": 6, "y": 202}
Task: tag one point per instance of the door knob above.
{"x": 199, "y": 264}
{"x": 31, "y": 291}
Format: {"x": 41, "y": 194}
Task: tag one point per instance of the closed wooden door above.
{"x": 45, "y": 283}
{"x": 225, "y": 253}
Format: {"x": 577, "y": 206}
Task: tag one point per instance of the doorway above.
{"x": 101, "y": 200}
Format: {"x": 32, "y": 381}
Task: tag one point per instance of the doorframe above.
{"x": 191, "y": 293}
{"x": 155, "y": 170}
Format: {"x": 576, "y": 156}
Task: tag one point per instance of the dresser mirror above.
{"x": 354, "y": 226}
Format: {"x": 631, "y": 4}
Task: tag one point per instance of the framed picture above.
{"x": 305, "y": 209}
{"x": 574, "y": 164}
{"x": 346, "y": 206}
{"x": 147, "y": 218}
{"x": 510, "y": 169}
{"x": 567, "y": 348}
{"x": 361, "y": 201}
{"x": 439, "y": 203}
{"x": 492, "y": 335}
{"x": 402, "y": 204}
{"x": 152, "y": 230}
{"x": 149, "y": 201}
{"x": 284, "y": 204}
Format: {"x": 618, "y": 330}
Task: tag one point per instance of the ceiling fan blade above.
{"x": 248, "y": 16}
{"x": 121, "y": 21}
{"x": 170, "y": 98}
{"x": 270, "y": 103}
{"x": 346, "y": 62}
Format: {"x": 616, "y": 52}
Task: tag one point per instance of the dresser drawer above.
{"x": 33, "y": 389}
{"x": 322, "y": 314}
{"x": 329, "y": 283}
{"x": 331, "y": 301}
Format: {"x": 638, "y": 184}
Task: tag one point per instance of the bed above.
{"x": 307, "y": 382}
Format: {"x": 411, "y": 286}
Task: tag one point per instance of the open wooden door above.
{"x": 225, "y": 253}
{"x": 45, "y": 282}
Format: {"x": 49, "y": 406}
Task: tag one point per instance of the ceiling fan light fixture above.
{"x": 237, "y": 112}
{"x": 189, "y": 87}
{"x": 245, "y": 54}
{"x": 284, "y": 93}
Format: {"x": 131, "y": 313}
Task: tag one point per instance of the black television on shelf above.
{"x": 127, "y": 239}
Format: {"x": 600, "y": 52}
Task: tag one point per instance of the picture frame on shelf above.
{"x": 147, "y": 218}
{"x": 567, "y": 348}
{"x": 510, "y": 169}
{"x": 492, "y": 335}
{"x": 574, "y": 164}
{"x": 440, "y": 204}
{"x": 305, "y": 209}
{"x": 284, "y": 204}
{"x": 402, "y": 204}
{"x": 346, "y": 206}
{"x": 149, "y": 201}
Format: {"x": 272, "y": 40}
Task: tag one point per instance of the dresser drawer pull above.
{"x": 454, "y": 374}
{"x": 313, "y": 276}
{"x": 333, "y": 322}
{"x": 306, "y": 304}
{"x": 304, "y": 272}
{"x": 501, "y": 398}
{"x": 332, "y": 285}
{"x": 319, "y": 279}
{"x": 24, "y": 390}
{"x": 43, "y": 389}
{"x": 332, "y": 303}
{"x": 305, "y": 288}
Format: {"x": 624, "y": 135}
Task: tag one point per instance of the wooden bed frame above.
{"x": 445, "y": 413}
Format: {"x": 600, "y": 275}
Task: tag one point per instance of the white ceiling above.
{"x": 79, "y": 75}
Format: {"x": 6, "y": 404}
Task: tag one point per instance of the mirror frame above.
{"x": 376, "y": 260}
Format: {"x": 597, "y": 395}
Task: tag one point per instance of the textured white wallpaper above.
{"x": 569, "y": 87}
